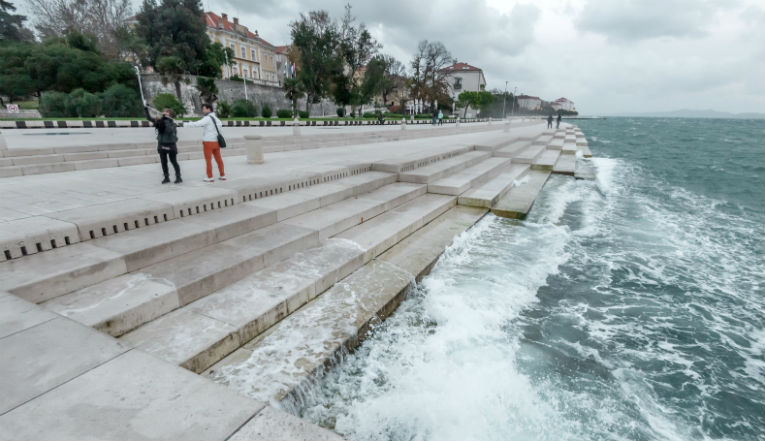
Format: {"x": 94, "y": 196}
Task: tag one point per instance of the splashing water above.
{"x": 631, "y": 307}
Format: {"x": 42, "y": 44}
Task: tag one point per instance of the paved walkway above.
{"x": 27, "y": 196}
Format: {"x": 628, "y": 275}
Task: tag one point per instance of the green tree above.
{"x": 168, "y": 101}
{"x": 355, "y": 48}
{"x": 53, "y": 104}
{"x": 120, "y": 100}
{"x": 242, "y": 108}
{"x": 477, "y": 100}
{"x": 315, "y": 38}
{"x": 171, "y": 69}
{"x": 428, "y": 80}
{"x": 12, "y": 25}
{"x": 15, "y": 81}
{"x": 207, "y": 89}
{"x": 174, "y": 32}
{"x": 81, "y": 103}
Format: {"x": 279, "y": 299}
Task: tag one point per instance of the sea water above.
{"x": 629, "y": 307}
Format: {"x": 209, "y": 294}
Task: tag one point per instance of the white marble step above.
{"x": 529, "y": 154}
{"x": 460, "y": 182}
{"x": 440, "y": 169}
{"x": 276, "y": 364}
{"x": 512, "y": 149}
{"x": 207, "y": 330}
{"x": 565, "y": 165}
{"x": 517, "y": 202}
{"x": 44, "y": 276}
{"x": 488, "y": 193}
{"x": 123, "y": 303}
{"x": 546, "y": 160}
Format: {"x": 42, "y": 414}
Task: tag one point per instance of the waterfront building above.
{"x": 531, "y": 103}
{"x": 462, "y": 77}
{"x": 254, "y": 58}
{"x": 563, "y": 104}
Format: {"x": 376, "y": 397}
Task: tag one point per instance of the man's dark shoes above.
{"x": 166, "y": 180}
{"x": 178, "y": 180}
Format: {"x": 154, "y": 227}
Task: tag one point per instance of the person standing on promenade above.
{"x": 435, "y": 115}
{"x": 440, "y": 118}
{"x": 212, "y": 126}
{"x": 549, "y": 121}
{"x": 557, "y": 122}
{"x": 167, "y": 142}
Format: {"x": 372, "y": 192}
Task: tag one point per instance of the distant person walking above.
{"x": 167, "y": 142}
{"x": 549, "y": 121}
{"x": 440, "y": 118}
{"x": 212, "y": 127}
{"x": 557, "y": 122}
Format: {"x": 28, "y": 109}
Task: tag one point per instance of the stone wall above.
{"x": 230, "y": 91}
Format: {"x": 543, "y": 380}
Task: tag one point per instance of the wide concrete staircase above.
{"x": 208, "y": 276}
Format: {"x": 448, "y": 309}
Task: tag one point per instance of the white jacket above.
{"x": 209, "y": 134}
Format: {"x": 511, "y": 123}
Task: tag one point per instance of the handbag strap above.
{"x": 214, "y": 125}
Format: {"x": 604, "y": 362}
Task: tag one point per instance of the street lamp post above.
{"x": 515, "y": 95}
{"x": 504, "y": 102}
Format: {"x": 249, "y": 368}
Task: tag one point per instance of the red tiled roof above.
{"x": 282, "y": 49}
{"x": 212, "y": 20}
{"x": 460, "y": 67}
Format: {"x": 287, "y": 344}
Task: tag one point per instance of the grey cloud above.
{"x": 633, "y": 20}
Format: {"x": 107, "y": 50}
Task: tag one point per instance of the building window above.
{"x": 253, "y": 54}
{"x": 244, "y": 53}
{"x": 457, "y": 83}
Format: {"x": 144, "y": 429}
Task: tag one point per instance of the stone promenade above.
{"x": 135, "y": 310}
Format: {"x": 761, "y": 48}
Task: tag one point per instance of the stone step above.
{"x": 546, "y": 160}
{"x": 566, "y": 165}
{"x": 60, "y": 271}
{"x": 342, "y": 215}
{"x": 384, "y": 231}
{"x": 584, "y": 170}
{"x": 121, "y": 304}
{"x": 207, "y": 330}
{"x": 118, "y": 305}
{"x": 512, "y": 149}
{"x": 204, "y": 332}
{"x": 543, "y": 139}
{"x": 460, "y": 182}
{"x": 445, "y": 167}
{"x": 420, "y": 158}
{"x": 569, "y": 148}
{"x": 288, "y": 355}
{"x": 517, "y": 202}
{"x": 556, "y": 144}
{"x": 488, "y": 193}
{"x": 529, "y": 154}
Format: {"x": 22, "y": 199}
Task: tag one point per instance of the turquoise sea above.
{"x": 630, "y": 307}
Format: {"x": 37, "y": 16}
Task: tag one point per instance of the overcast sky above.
{"x": 608, "y": 56}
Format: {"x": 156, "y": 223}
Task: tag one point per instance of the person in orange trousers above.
{"x": 212, "y": 126}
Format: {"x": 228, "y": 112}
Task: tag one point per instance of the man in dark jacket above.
{"x": 167, "y": 139}
{"x": 557, "y": 122}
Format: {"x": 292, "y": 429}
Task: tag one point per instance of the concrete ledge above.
{"x": 188, "y": 202}
{"x": 116, "y": 217}
{"x": 34, "y": 234}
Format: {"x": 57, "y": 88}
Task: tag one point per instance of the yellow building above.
{"x": 254, "y": 58}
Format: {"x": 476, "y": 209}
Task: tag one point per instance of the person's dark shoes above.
{"x": 166, "y": 180}
{"x": 178, "y": 180}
